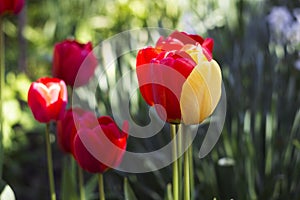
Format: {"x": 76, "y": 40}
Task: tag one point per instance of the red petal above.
{"x": 105, "y": 120}
{"x": 145, "y": 55}
{"x": 85, "y": 158}
{"x": 208, "y": 44}
{"x": 143, "y": 72}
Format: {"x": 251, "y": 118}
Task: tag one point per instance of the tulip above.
{"x": 99, "y": 144}
{"x": 180, "y": 75}
{"x": 47, "y": 99}
{"x": 11, "y": 6}
{"x": 67, "y": 129}
{"x": 74, "y": 62}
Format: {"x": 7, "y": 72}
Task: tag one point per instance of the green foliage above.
{"x": 18, "y": 118}
{"x": 129, "y": 194}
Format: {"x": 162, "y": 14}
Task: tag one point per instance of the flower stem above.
{"x": 81, "y": 187}
{"x": 2, "y": 76}
{"x": 190, "y": 150}
{"x": 175, "y": 163}
{"x": 179, "y": 147}
{"x": 101, "y": 187}
{"x": 50, "y": 164}
{"x": 186, "y": 176}
{"x": 186, "y": 170}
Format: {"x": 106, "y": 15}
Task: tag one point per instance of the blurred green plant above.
{"x": 17, "y": 118}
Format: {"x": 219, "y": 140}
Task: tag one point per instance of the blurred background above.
{"x": 257, "y": 44}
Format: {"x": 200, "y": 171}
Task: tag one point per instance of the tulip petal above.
{"x": 143, "y": 59}
{"x": 201, "y": 92}
{"x": 49, "y": 93}
{"x": 83, "y": 156}
{"x": 208, "y": 44}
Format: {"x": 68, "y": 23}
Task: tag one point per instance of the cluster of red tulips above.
{"x": 76, "y": 127}
{"x": 190, "y": 99}
{"x": 178, "y": 73}
{"x": 47, "y": 98}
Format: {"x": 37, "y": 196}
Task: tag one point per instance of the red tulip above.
{"x": 170, "y": 69}
{"x": 11, "y": 6}
{"x": 67, "y": 129}
{"x": 47, "y": 99}
{"x": 99, "y": 144}
{"x": 73, "y": 62}
{"x": 180, "y": 75}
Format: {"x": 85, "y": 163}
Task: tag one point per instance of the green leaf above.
{"x": 168, "y": 194}
{"x": 90, "y": 186}
{"x": 129, "y": 194}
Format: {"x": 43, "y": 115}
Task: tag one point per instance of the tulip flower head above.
{"x": 180, "y": 75}
{"x": 67, "y": 129}
{"x": 47, "y": 99}
{"x": 101, "y": 145}
{"x": 74, "y": 62}
{"x": 11, "y": 6}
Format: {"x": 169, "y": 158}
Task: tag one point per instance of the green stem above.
{"x": 186, "y": 176}
{"x": 186, "y": 167}
{"x": 50, "y": 164}
{"x": 101, "y": 187}
{"x": 179, "y": 143}
{"x": 81, "y": 187}
{"x": 175, "y": 163}
{"x": 191, "y": 163}
{"x": 2, "y": 76}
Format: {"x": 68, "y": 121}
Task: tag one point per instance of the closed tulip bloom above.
{"x": 74, "y": 62}
{"x": 180, "y": 75}
{"x": 11, "y": 6}
{"x": 67, "y": 129}
{"x": 47, "y": 99}
{"x": 99, "y": 146}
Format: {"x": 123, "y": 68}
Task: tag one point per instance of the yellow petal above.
{"x": 201, "y": 92}
{"x": 195, "y": 52}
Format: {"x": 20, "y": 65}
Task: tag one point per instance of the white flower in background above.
{"x": 293, "y": 33}
{"x": 188, "y": 22}
{"x": 296, "y": 13}
{"x": 279, "y": 19}
{"x": 297, "y": 64}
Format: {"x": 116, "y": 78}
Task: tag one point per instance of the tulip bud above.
{"x": 99, "y": 147}
{"x": 69, "y": 58}
{"x": 11, "y": 6}
{"x": 47, "y": 99}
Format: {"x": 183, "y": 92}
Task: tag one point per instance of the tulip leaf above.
{"x": 90, "y": 186}
{"x": 129, "y": 194}
{"x": 168, "y": 194}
